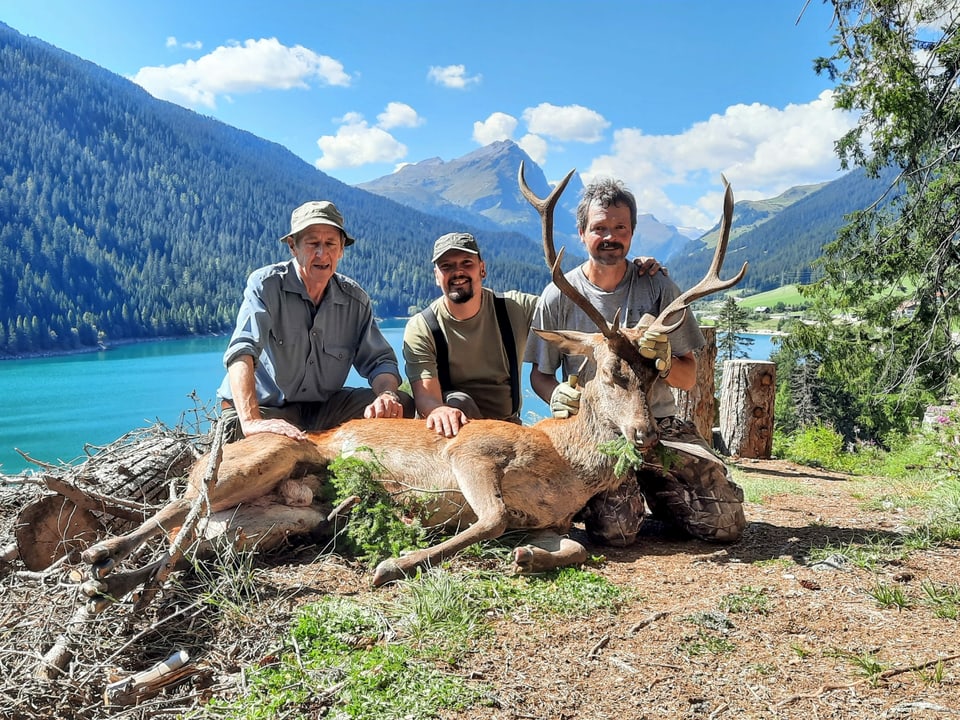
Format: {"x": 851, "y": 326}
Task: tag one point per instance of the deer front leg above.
{"x": 545, "y": 551}
{"x": 480, "y": 487}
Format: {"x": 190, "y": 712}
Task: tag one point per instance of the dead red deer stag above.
{"x": 493, "y": 476}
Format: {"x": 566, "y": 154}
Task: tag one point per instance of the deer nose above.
{"x": 646, "y": 438}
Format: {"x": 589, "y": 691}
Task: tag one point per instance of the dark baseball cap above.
{"x": 455, "y": 241}
{"x": 316, "y": 212}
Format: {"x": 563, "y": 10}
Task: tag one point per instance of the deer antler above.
{"x": 711, "y": 282}
{"x": 546, "y": 207}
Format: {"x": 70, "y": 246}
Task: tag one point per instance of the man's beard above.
{"x": 461, "y": 294}
{"x": 609, "y": 254}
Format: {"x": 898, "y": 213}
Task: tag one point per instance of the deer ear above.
{"x": 570, "y": 341}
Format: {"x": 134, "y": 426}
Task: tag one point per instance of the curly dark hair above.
{"x": 606, "y": 192}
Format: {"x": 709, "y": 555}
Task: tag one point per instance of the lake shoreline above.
{"x": 105, "y": 347}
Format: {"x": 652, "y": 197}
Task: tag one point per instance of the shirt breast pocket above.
{"x": 336, "y": 360}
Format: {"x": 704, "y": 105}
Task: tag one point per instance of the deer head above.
{"x": 615, "y": 351}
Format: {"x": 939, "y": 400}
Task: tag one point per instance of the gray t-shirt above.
{"x": 636, "y": 295}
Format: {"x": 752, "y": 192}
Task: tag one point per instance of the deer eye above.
{"x": 619, "y": 378}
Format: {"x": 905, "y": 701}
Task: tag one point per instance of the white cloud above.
{"x": 534, "y": 146}
{"x": 760, "y": 149}
{"x": 357, "y": 143}
{"x": 398, "y": 114}
{"x": 172, "y": 42}
{"x": 452, "y": 76}
{"x": 573, "y": 123}
{"x": 242, "y": 68}
{"x": 499, "y": 126}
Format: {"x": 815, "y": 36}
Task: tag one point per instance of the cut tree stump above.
{"x": 698, "y": 404}
{"x": 747, "y": 396}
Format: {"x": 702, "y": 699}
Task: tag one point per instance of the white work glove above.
{"x": 564, "y": 401}
{"x": 656, "y": 346}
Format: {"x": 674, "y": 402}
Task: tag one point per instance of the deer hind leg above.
{"x": 546, "y": 550}
{"x": 105, "y": 555}
{"x": 244, "y": 528}
{"x": 480, "y": 486}
{"x": 250, "y": 469}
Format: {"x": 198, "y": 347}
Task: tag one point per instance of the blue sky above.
{"x": 663, "y": 94}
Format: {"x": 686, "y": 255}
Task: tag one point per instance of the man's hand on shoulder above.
{"x": 649, "y": 266}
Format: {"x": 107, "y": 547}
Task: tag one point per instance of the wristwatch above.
{"x": 394, "y": 394}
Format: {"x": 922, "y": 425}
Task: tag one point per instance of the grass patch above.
{"x": 889, "y": 596}
{"x": 378, "y": 660}
{"x": 746, "y": 601}
{"x": 943, "y": 599}
{"x": 567, "y": 592}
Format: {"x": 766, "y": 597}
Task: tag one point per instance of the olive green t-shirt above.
{"x": 478, "y": 360}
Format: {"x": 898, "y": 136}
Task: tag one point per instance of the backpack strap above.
{"x": 506, "y": 335}
{"x": 443, "y": 356}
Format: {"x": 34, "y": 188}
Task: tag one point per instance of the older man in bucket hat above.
{"x": 300, "y": 328}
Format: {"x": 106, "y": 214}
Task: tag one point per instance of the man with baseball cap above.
{"x": 300, "y": 328}
{"x": 463, "y": 353}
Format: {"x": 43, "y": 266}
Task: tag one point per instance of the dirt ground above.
{"x": 655, "y": 659}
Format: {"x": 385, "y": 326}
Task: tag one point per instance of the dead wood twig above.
{"x": 133, "y": 689}
{"x": 601, "y": 644}
{"x": 885, "y": 675}
{"x": 647, "y": 621}
{"x": 34, "y": 461}
{"x": 57, "y": 657}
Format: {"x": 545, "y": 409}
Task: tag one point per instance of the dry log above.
{"x": 746, "y": 408}
{"x": 52, "y": 527}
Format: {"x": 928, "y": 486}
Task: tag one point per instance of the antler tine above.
{"x": 711, "y": 282}
{"x": 564, "y": 286}
{"x": 545, "y": 207}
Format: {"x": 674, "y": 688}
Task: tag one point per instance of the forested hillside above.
{"x": 122, "y": 216}
{"x": 784, "y": 249}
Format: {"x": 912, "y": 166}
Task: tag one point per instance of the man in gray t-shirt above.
{"x": 695, "y": 494}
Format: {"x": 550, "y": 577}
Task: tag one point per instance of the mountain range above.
{"x": 127, "y": 217}
{"x": 480, "y": 189}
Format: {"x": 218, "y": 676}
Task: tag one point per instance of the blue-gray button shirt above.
{"x": 303, "y": 352}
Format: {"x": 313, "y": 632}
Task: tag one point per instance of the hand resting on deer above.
{"x": 493, "y": 476}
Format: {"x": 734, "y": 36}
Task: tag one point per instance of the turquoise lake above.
{"x": 54, "y": 407}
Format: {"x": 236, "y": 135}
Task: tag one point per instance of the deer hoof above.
{"x": 525, "y": 559}
{"x": 94, "y": 588}
{"x": 387, "y": 571}
{"x": 102, "y": 568}
{"x": 95, "y": 554}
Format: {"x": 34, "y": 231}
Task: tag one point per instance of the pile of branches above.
{"x": 60, "y": 659}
